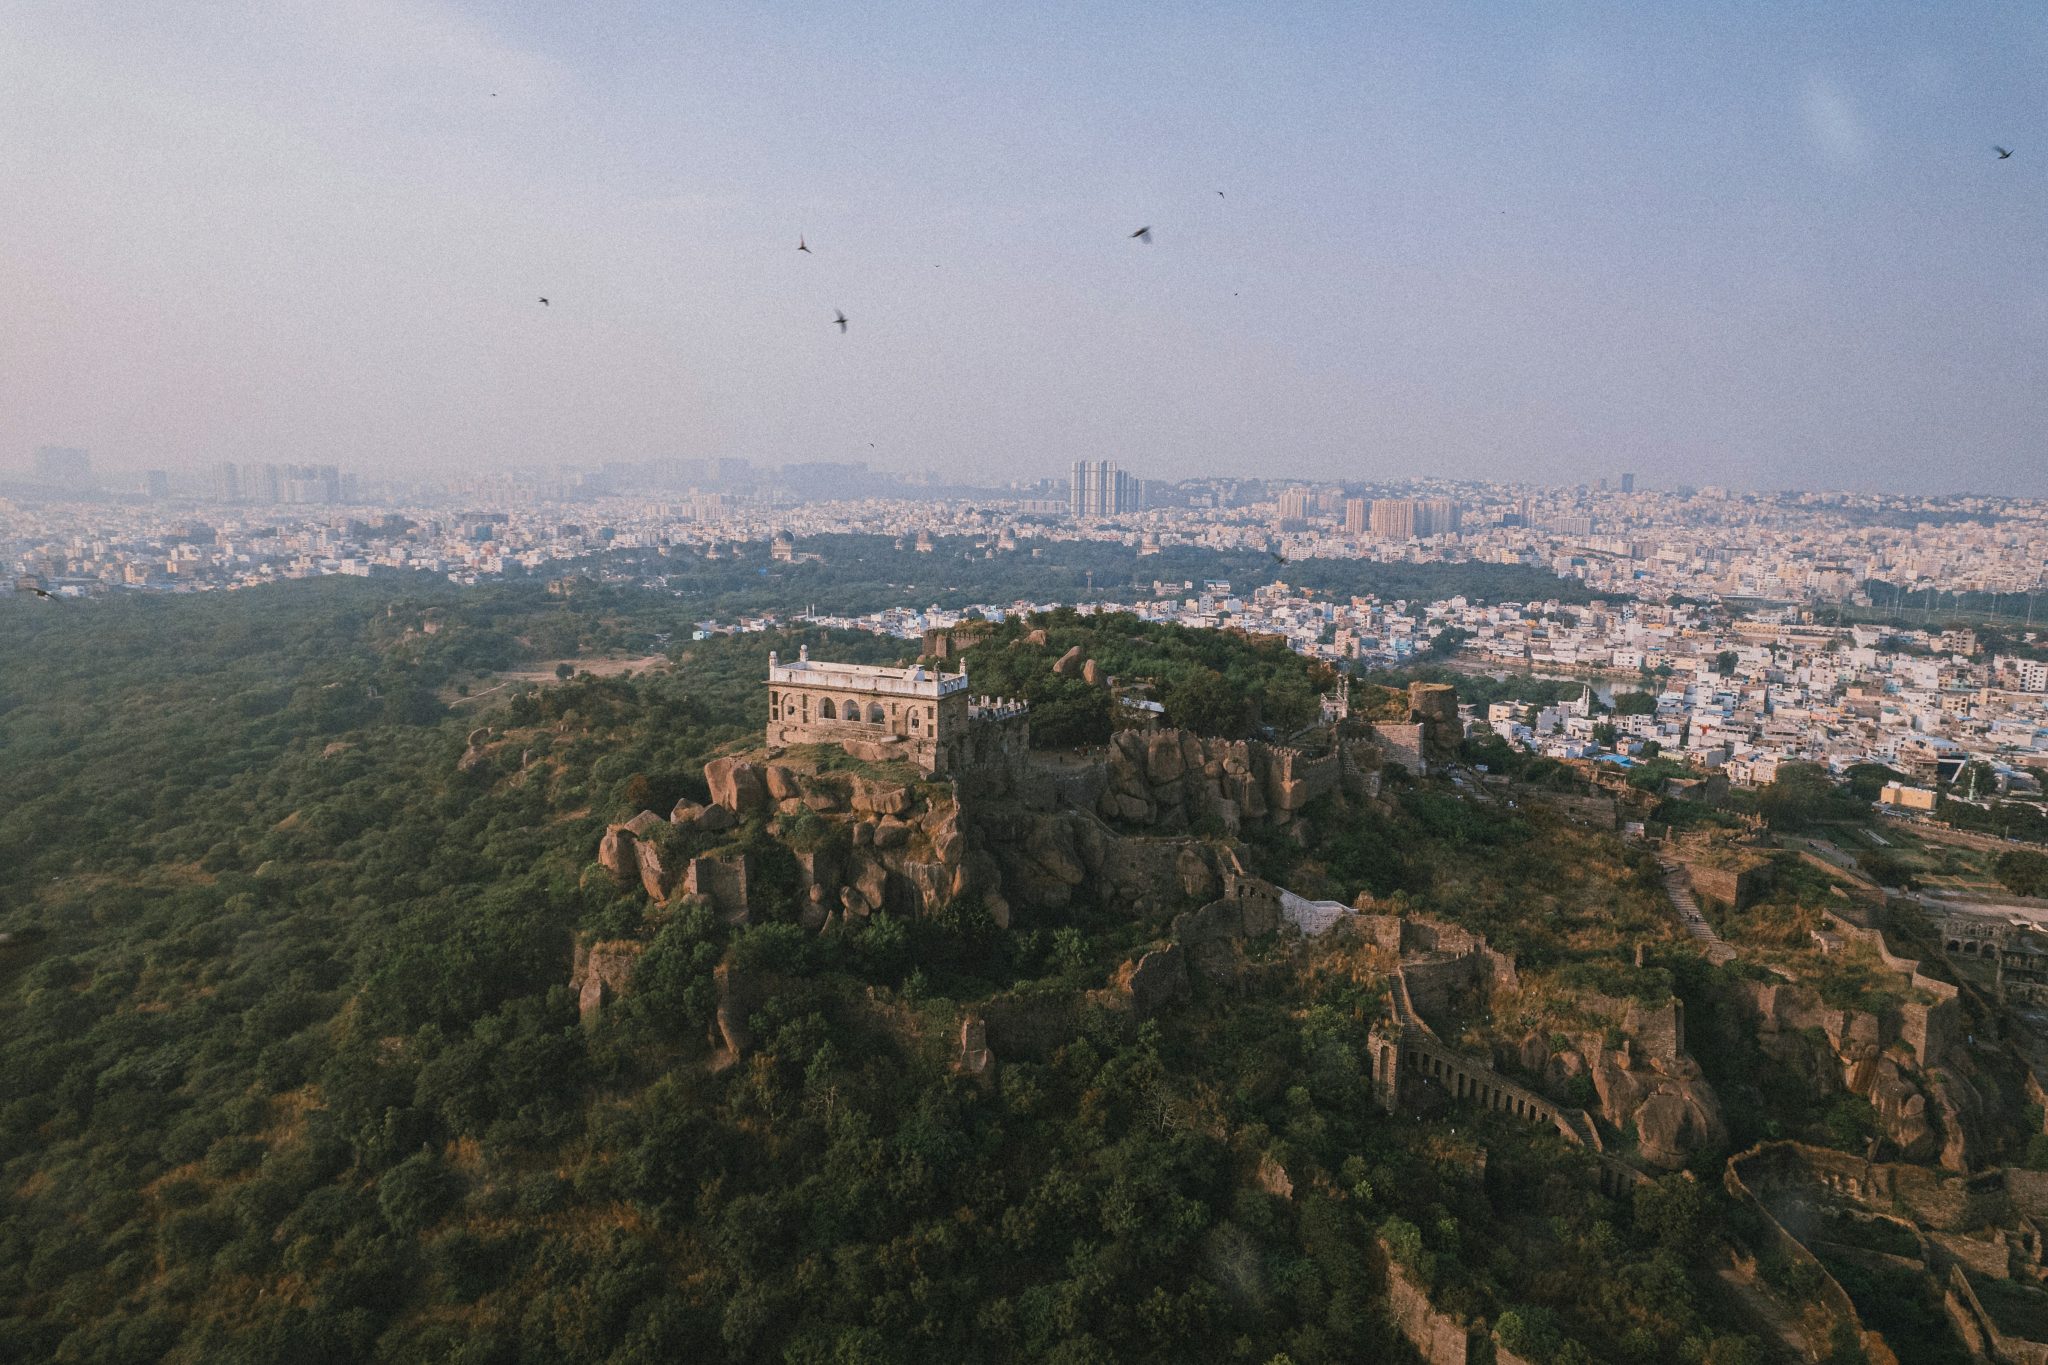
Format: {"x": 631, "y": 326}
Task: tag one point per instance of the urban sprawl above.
{"x": 1744, "y": 630}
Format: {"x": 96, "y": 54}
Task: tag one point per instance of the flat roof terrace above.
{"x": 865, "y": 678}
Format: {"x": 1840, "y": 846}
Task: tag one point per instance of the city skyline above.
{"x": 1751, "y": 249}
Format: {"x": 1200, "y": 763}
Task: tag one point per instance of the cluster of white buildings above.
{"x": 1706, "y": 544}
{"x": 1742, "y": 678}
{"x": 1734, "y": 695}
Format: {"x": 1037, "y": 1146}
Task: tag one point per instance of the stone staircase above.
{"x": 1679, "y": 889}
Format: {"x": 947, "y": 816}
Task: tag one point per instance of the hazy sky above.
{"x": 1763, "y": 244}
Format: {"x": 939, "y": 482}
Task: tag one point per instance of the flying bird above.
{"x": 40, "y": 593}
{"x": 839, "y": 318}
{"x": 1144, "y": 234}
{"x": 543, "y": 303}
{"x": 801, "y": 247}
{"x": 2003, "y": 152}
{"x": 1221, "y": 195}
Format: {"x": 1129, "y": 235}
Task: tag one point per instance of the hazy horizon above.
{"x": 1720, "y": 245}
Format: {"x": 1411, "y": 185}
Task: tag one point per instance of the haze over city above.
{"x": 1730, "y": 244}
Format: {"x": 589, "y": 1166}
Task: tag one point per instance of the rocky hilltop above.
{"x": 865, "y": 838}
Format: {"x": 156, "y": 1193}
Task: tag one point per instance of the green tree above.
{"x": 1209, "y": 704}
{"x": 1671, "y": 1212}
{"x": 2022, "y": 872}
{"x": 1635, "y": 704}
{"x": 1797, "y": 797}
{"x": 1867, "y": 781}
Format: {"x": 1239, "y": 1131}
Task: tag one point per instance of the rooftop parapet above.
{"x": 866, "y": 678}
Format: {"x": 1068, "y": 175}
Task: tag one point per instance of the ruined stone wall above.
{"x": 1424, "y": 1072}
{"x": 1437, "y": 980}
{"x": 995, "y": 737}
{"x": 722, "y": 881}
{"x": 1930, "y": 1030}
{"x": 946, "y": 642}
{"x": 1658, "y": 1032}
{"x": 1434, "y": 706}
{"x": 1937, "y": 1200}
{"x": 1440, "y": 961}
{"x": 1382, "y": 931}
{"x": 1830, "y": 1296}
{"x": 1298, "y": 779}
{"x": 1439, "y": 1338}
{"x": 1597, "y": 811}
{"x": 1030, "y": 1024}
{"x": 1213, "y": 935}
{"x": 1735, "y": 877}
{"x": 2013, "y": 1349}
{"x": 1403, "y": 744}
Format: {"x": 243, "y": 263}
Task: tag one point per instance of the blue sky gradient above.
{"x": 1754, "y": 244}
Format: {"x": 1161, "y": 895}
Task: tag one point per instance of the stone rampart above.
{"x": 1962, "y": 1299}
{"x": 1931, "y": 1030}
{"x": 1403, "y": 743}
{"x": 1735, "y": 877}
{"x": 722, "y": 881}
{"x": 1599, "y": 812}
{"x": 1831, "y": 1298}
{"x": 1439, "y": 1338}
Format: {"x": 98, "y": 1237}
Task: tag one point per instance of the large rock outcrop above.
{"x": 620, "y": 852}
{"x": 1927, "y": 1109}
{"x": 877, "y": 841}
{"x": 736, "y": 784}
{"x": 601, "y": 974}
{"x": 975, "y": 1061}
{"x": 1649, "y": 1082}
{"x": 1173, "y": 780}
{"x": 1155, "y": 981}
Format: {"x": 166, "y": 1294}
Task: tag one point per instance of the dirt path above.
{"x": 598, "y": 668}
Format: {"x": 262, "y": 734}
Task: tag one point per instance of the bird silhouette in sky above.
{"x": 48, "y": 596}
{"x": 543, "y": 303}
{"x": 1144, "y": 234}
{"x": 1221, "y": 195}
{"x": 839, "y": 318}
{"x": 2003, "y": 152}
{"x": 803, "y": 248}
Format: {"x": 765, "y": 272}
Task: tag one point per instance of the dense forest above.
{"x": 290, "y": 1067}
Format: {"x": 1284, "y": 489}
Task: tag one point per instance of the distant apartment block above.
{"x": 1100, "y": 489}
{"x": 1400, "y": 519}
{"x": 271, "y": 484}
{"x": 63, "y": 467}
